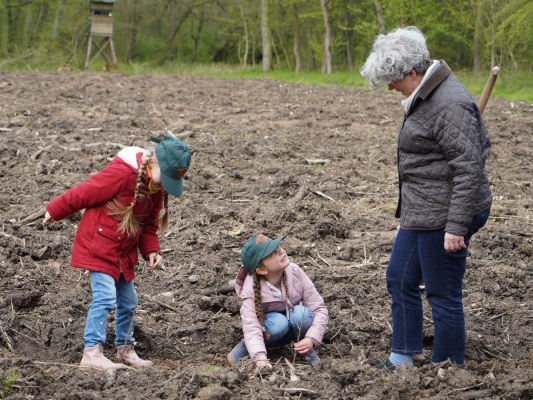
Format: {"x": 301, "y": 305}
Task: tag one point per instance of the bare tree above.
{"x": 265, "y": 37}
{"x": 196, "y": 37}
{"x": 349, "y": 35}
{"x": 296, "y": 39}
{"x": 379, "y": 12}
{"x": 477, "y": 38}
{"x": 327, "y": 66}
{"x": 245, "y": 38}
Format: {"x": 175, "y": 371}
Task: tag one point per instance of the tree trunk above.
{"x": 40, "y": 21}
{"x": 493, "y": 46}
{"x": 130, "y": 55}
{"x": 265, "y": 37}
{"x": 327, "y": 39}
{"x": 285, "y": 53}
{"x": 253, "y": 51}
{"x": 296, "y": 39}
{"x": 245, "y": 38}
{"x": 477, "y": 38}
{"x": 311, "y": 63}
{"x": 275, "y": 50}
{"x": 4, "y": 32}
{"x": 27, "y": 28}
{"x": 176, "y": 27}
{"x": 349, "y": 38}
{"x": 197, "y": 37}
{"x": 379, "y": 12}
{"x": 57, "y": 18}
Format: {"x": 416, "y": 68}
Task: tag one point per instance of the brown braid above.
{"x": 284, "y": 279}
{"x": 257, "y": 302}
{"x": 163, "y": 221}
{"x": 128, "y": 223}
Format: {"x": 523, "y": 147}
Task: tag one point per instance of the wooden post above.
{"x": 488, "y": 88}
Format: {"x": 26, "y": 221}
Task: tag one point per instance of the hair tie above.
{"x": 132, "y": 203}
{"x": 264, "y": 329}
{"x": 166, "y": 210}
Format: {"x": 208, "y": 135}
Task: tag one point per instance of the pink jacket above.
{"x": 301, "y": 290}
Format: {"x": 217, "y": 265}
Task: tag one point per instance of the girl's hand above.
{"x": 47, "y": 218}
{"x": 304, "y": 346}
{"x": 453, "y": 242}
{"x": 262, "y": 362}
{"x": 154, "y": 260}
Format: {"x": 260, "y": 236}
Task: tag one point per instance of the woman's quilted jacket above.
{"x": 442, "y": 148}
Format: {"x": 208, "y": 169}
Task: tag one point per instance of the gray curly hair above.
{"x": 394, "y": 55}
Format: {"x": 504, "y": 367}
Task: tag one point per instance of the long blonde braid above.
{"x": 257, "y": 303}
{"x": 128, "y": 223}
{"x": 284, "y": 280}
{"x": 163, "y": 221}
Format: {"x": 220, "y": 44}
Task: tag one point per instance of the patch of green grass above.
{"x": 212, "y": 368}
{"x": 510, "y": 85}
{"x": 6, "y": 384}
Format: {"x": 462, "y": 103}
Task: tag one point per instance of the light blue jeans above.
{"x": 283, "y": 331}
{"x": 106, "y": 294}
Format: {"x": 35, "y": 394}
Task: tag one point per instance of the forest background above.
{"x": 319, "y": 41}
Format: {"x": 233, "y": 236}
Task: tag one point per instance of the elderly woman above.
{"x": 444, "y": 193}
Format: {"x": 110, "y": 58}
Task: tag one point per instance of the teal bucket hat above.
{"x": 257, "y": 248}
{"x": 174, "y": 159}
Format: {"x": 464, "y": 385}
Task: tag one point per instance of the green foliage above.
{"x": 209, "y": 37}
{"x": 212, "y": 368}
{"x": 6, "y": 384}
{"x": 36, "y": 313}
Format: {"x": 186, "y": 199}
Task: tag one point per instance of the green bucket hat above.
{"x": 257, "y": 248}
{"x": 174, "y": 158}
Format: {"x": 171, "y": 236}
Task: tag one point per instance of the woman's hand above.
{"x": 47, "y": 218}
{"x": 154, "y": 260}
{"x": 453, "y": 242}
{"x": 262, "y": 362}
{"x": 304, "y": 346}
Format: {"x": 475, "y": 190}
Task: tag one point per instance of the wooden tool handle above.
{"x": 488, "y": 88}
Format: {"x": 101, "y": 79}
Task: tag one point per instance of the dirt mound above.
{"x": 255, "y": 148}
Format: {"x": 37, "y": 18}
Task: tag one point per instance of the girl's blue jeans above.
{"x": 106, "y": 294}
{"x": 419, "y": 256}
{"x": 283, "y": 331}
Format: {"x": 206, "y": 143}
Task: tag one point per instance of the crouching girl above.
{"x": 280, "y": 304}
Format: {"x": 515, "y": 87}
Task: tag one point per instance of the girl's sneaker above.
{"x": 238, "y": 352}
{"x": 310, "y": 358}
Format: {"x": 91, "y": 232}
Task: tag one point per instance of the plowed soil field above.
{"x": 256, "y": 147}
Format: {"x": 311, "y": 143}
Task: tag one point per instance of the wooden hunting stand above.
{"x": 101, "y": 26}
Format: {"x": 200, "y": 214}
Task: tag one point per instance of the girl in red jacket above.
{"x": 122, "y": 206}
{"x": 280, "y": 304}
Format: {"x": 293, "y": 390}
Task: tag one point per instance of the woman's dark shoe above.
{"x": 385, "y": 365}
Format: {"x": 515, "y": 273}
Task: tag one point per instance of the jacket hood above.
{"x": 239, "y": 281}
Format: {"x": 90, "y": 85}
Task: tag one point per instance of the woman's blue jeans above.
{"x": 106, "y": 294}
{"x": 419, "y": 256}
{"x": 282, "y": 330}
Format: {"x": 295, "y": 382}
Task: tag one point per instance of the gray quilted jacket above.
{"x": 442, "y": 147}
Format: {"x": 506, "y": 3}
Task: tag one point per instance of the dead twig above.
{"x": 319, "y": 256}
{"x": 323, "y": 195}
{"x": 296, "y": 390}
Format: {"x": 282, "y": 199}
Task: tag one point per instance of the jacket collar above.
{"x": 435, "y": 80}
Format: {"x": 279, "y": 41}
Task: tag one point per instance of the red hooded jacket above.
{"x": 98, "y": 246}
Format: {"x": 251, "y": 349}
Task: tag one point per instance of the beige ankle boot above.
{"x": 94, "y": 357}
{"x": 128, "y": 355}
